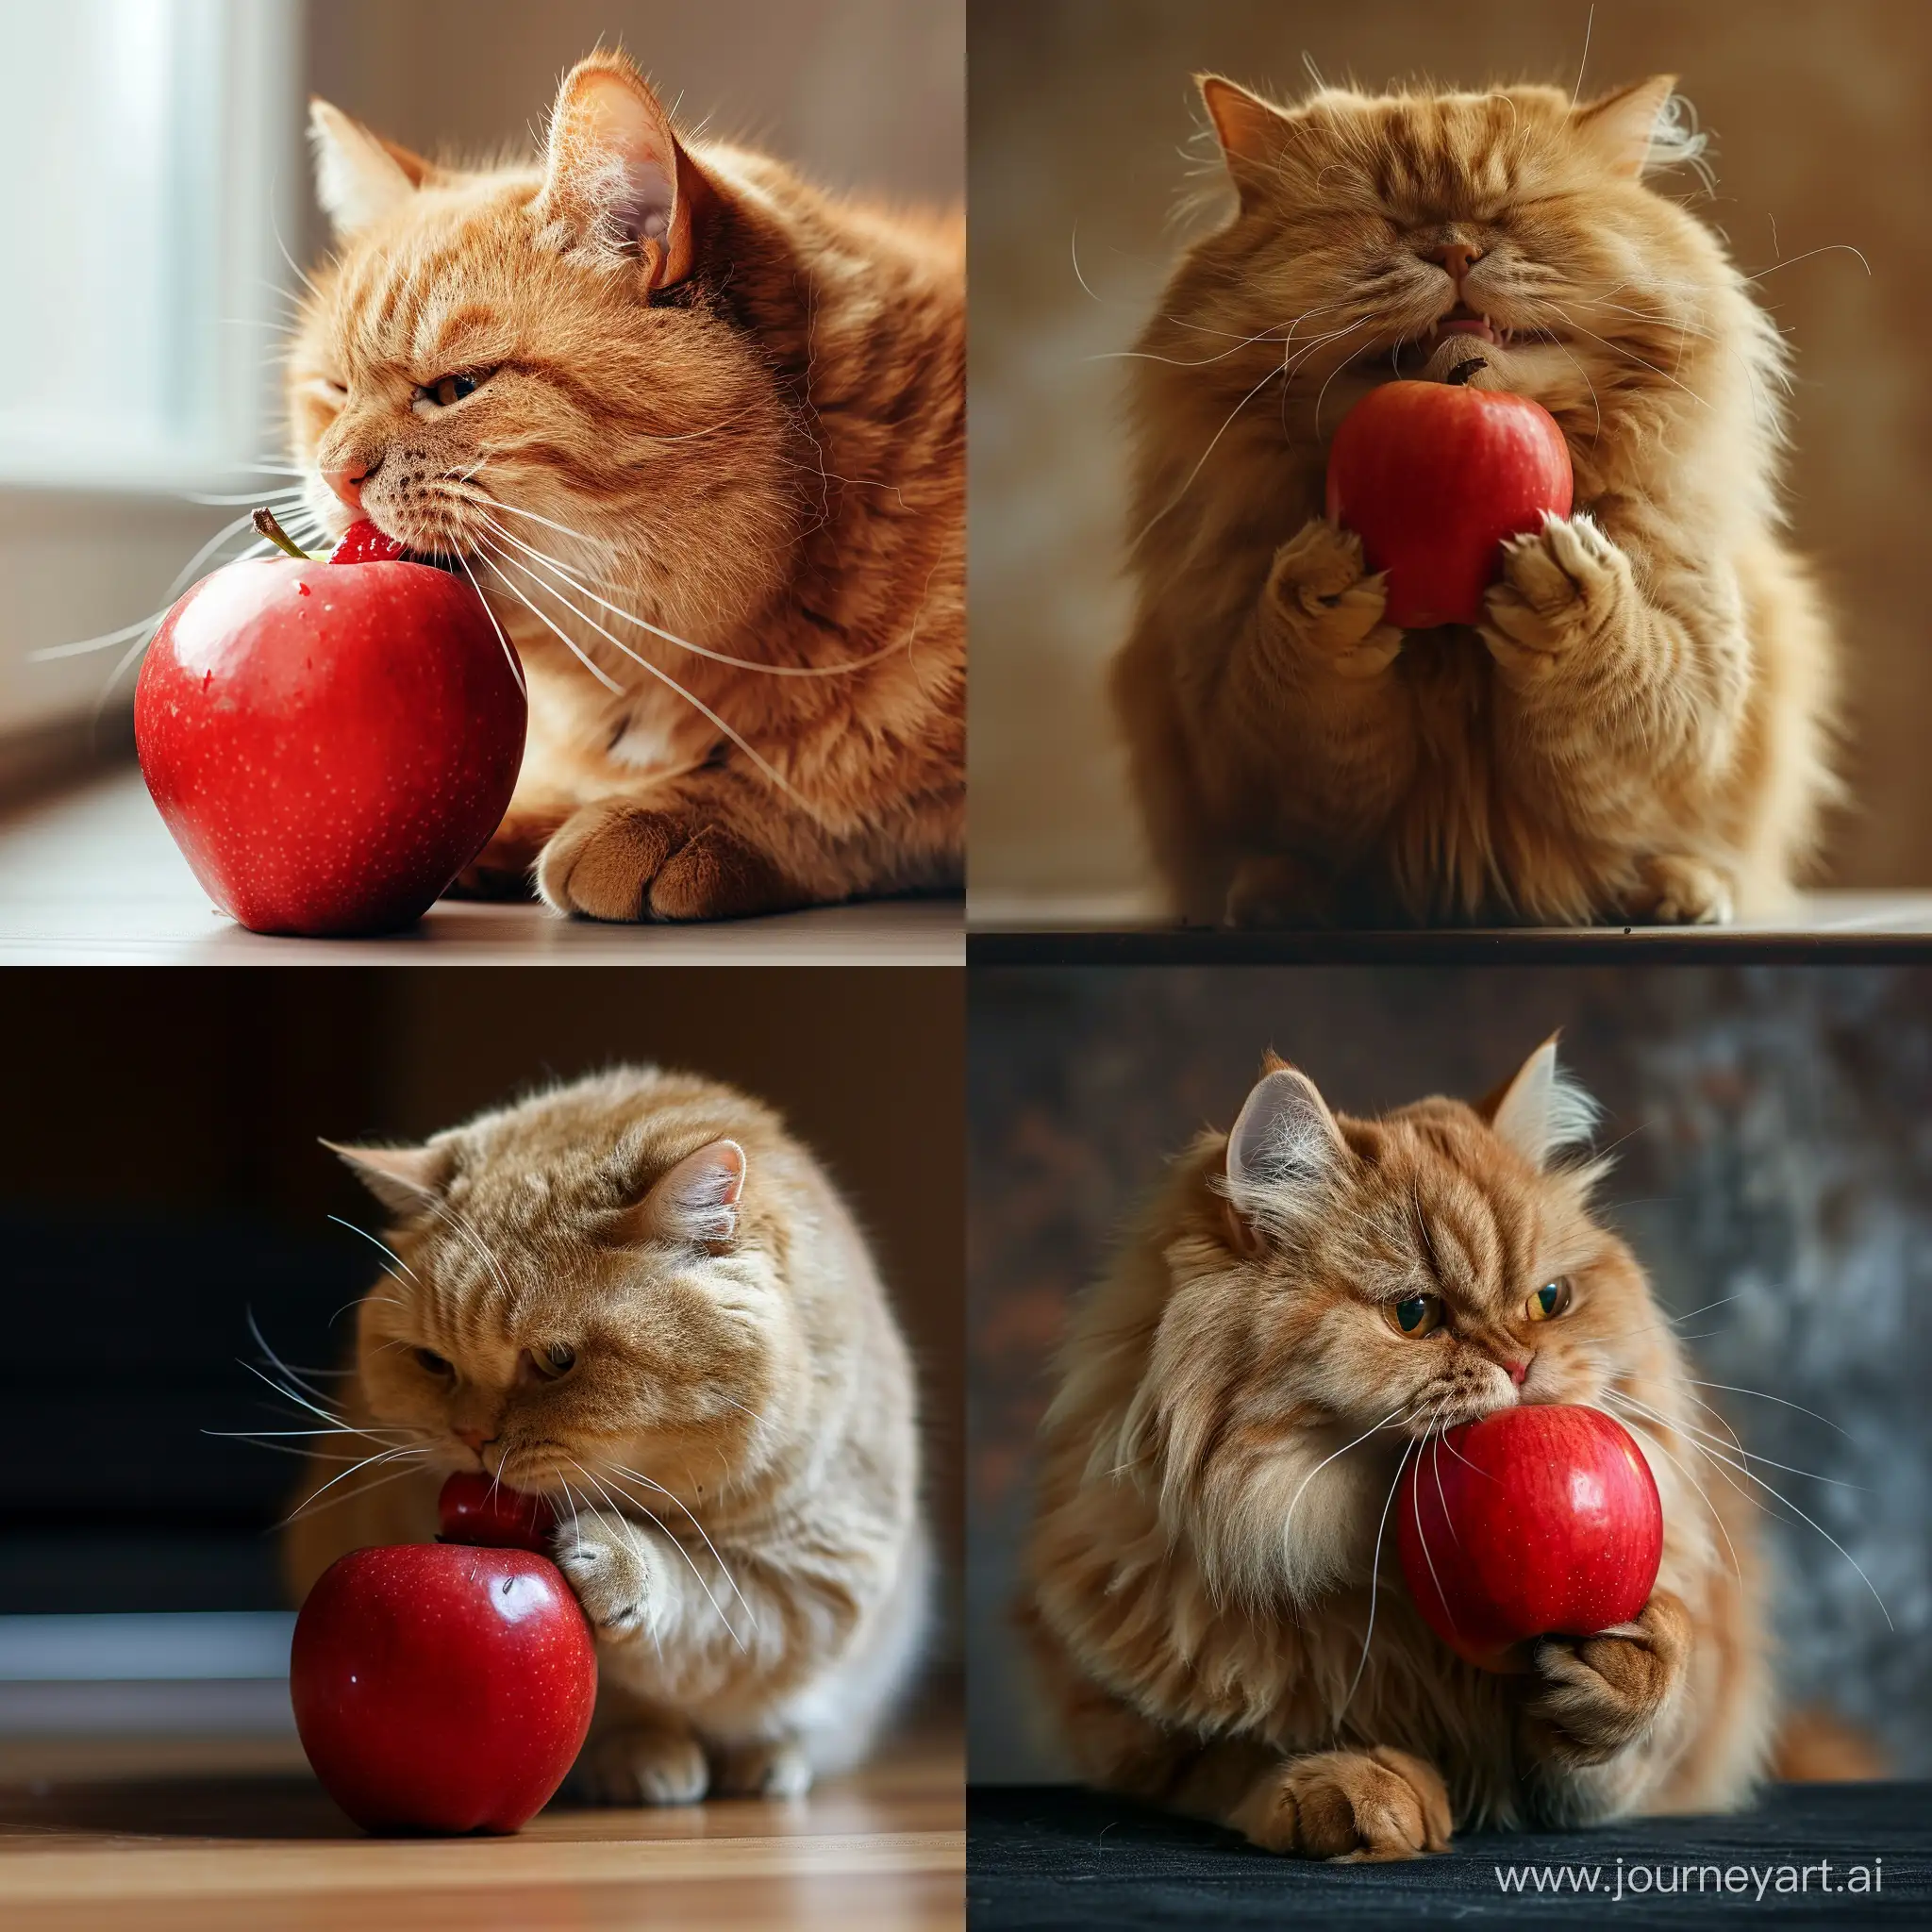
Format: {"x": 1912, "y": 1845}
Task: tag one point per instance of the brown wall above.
{"x": 1822, "y": 122}
{"x": 860, "y": 93}
{"x": 203, "y": 1093}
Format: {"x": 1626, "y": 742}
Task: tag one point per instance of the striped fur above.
{"x": 758, "y": 449}
{"x": 1202, "y": 1581}
{"x": 1637, "y": 729}
{"x": 734, "y": 1452}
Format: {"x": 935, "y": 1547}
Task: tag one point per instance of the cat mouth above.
{"x": 1464, "y": 321}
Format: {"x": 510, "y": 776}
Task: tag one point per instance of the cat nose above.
{"x": 475, "y": 1437}
{"x": 1459, "y": 258}
{"x": 1518, "y": 1372}
{"x": 348, "y": 482}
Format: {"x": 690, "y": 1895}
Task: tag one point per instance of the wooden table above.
{"x": 205, "y": 1835}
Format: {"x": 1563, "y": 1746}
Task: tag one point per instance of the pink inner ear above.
{"x": 697, "y": 1200}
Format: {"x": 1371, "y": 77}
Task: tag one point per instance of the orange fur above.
{"x": 1202, "y": 1581}
{"x": 742, "y": 402}
{"x": 733, "y": 1451}
{"x": 1637, "y": 729}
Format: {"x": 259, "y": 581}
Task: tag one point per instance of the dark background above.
{"x": 1774, "y": 1135}
{"x": 160, "y": 1179}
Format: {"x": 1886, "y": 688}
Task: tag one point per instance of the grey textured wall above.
{"x": 1774, "y": 1146}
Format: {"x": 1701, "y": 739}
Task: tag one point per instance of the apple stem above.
{"x": 1463, "y": 371}
{"x": 265, "y": 521}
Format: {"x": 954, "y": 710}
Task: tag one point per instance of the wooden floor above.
{"x": 91, "y": 878}
{"x": 97, "y": 1836}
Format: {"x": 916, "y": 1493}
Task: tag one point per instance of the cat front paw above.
{"x": 642, "y": 1764}
{"x": 1561, "y": 585}
{"x": 767, "y": 1768}
{"x": 1600, "y": 1694}
{"x": 607, "y": 1562}
{"x": 1673, "y": 889}
{"x": 1351, "y": 1806}
{"x": 1323, "y": 595}
{"x": 619, "y": 861}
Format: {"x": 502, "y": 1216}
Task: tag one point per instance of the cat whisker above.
{"x": 725, "y": 1568}
{"x": 375, "y": 1242}
{"x": 1750, "y": 1456}
{"x": 311, "y": 1504}
{"x": 376, "y": 1462}
{"x": 1732, "y": 1388}
{"x": 1630, "y": 355}
{"x": 1736, "y": 1568}
{"x": 1375, "y": 1583}
{"x": 1201, "y": 462}
{"x": 685, "y": 643}
{"x": 664, "y": 678}
{"x": 1751, "y": 1476}
{"x": 596, "y": 671}
{"x": 717, "y": 1607}
{"x": 516, "y": 663}
{"x": 1393, "y": 1415}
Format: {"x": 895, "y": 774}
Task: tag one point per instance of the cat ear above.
{"x": 404, "y": 1179}
{"x": 1253, "y": 134}
{"x": 1283, "y": 1153}
{"x": 1636, "y": 126}
{"x": 615, "y": 178}
{"x": 696, "y": 1201}
{"x": 1541, "y": 1111}
{"x": 358, "y": 177}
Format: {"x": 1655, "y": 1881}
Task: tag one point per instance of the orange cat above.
{"x": 1636, "y": 730}
{"x": 639, "y": 1295}
{"x": 697, "y": 431}
{"x": 1309, "y": 1299}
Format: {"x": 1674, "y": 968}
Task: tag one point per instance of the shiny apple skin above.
{"x": 1540, "y": 1520}
{"x": 473, "y": 1508}
{"x": 442, "y": 1688}
{"x": 1433, "y": 476}
{"x": 329, "y": 744}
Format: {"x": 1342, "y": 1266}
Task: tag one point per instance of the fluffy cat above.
{"x": 639, "y": 1295}
{"x": 683, "y": 418}
{"x": 1306, "y": 1302}
{"x": 1637, "y": 729}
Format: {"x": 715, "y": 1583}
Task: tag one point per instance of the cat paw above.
{"x": 1323, "y": 595}
{"x": 1561, "y": 584}
{"x": 1352, "y": 1806}
{"x": 1278, "y": 889}
{"x": 608, "y": 1565}
{"x": 1600, "y": 1694}
{"x": 619, "y": 861}
{"x": 1675, "y": 891}
{"x": 775, "y": 1768}
{"x": 642, "y": 1764}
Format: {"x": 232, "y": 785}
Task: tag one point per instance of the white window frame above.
{"x": 92, "y": 545}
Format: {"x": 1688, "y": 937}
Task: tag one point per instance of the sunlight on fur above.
{"x": 696, "y": 432}
{"x": 640, "y": 1296}
{"x": 1638, "y": 728}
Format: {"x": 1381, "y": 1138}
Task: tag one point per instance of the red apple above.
{"x": 443, "y": 1686}
{"x": 1537, "y": 1520}
{"x": 329, "y": 743}
{"x": 1432, "y": 476}
{"x": 474, "y": 1508}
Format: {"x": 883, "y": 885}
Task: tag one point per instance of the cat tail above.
{"x": 1814, "y": 1745}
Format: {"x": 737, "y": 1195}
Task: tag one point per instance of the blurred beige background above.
{"x": 1821, "y": 122}
{"x": 858, "y": 93}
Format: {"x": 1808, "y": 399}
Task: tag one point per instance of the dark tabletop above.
{"x": 1041, "y": 1856}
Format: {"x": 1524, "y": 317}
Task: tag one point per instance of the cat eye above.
{"x": 447, "y": 389}
{"x": 436, "y": 1364}
{"x": 560, "y": 1359}
{"x": 1418, "y": 1314}
{"x": 1551, "y": 1299}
